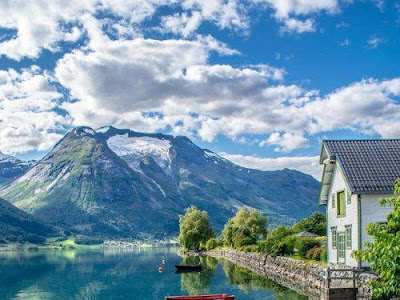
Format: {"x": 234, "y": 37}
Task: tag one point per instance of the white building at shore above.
{"x": 356, "y": 174}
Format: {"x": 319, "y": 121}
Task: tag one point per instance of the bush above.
{"x": 88, "y": 241}
{"x": 249, "y": 248}
{"x": 315, "y": 253}
{"x": 213, "y": 243}
{"x": 324, "y": 255}
{"x": 303, "y": 245}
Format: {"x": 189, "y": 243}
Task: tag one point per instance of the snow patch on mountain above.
{"x": 103, "y": 129}
{"x": 89, "y": 131}
{"x": 134, "y": 149}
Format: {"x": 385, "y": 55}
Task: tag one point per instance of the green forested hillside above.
{"x": 18, "y": 226}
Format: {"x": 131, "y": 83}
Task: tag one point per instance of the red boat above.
{"x": 202, "y": 297}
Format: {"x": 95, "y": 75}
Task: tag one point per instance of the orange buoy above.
{"x": 160, "y": 270}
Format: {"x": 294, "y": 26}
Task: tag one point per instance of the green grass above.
{"x": 298, "y": 257}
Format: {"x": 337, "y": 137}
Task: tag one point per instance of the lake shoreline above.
{"x": 306, "y": 278}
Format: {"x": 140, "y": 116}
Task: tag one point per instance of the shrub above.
{"x": 315, "y": 253}
{"x": 249, "y": 248}
{"x": 315, "y": 224}
{"x": 383, "y": 252}
{"x": 213, "y": 243}
{"x": 303, "y": 245}
{"x": 324, "y": 255}
{"x": 262, "y": 246}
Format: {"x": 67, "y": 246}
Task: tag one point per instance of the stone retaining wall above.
{"x": 304, "y": 277}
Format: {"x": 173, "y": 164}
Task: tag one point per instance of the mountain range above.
{"x": 121, "y": 183}
{"x": 12, "y": 168}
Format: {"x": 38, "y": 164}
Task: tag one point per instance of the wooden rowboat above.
{"x": 189, "y": 268}
{"x": 202, "y": 297}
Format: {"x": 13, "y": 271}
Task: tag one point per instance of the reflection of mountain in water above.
{"x": 125, "y": 274}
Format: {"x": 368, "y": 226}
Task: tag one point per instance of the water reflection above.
{"x": 122, "y": 274}
{"x": 198, "y": 282}
{"x": 248, "y": 281}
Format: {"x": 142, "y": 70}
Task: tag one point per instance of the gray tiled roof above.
{"x": 370, "y": 166}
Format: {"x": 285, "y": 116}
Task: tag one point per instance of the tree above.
{"x": 315, "y": 223}
{"x": 383, "y": 253}
{"x": 244, "y": 228}
{"x": 195, "y": 229}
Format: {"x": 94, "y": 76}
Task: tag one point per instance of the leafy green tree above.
{"x": 316, "y": 224}
{"x": 213, "y": 243}
{"x": 383, "y": 254}
{"x": 195, "y": 229}
{"x": 244, "y": 228}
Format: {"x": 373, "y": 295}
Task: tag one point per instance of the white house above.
{"x": 356, "y": 174}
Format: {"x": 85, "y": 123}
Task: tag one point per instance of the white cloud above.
{"x": 42, "y": 24}
{"x": 375, "y": 41}
{"x": 345, "y": 43}
{"x": 306, "y": 164}
{"x": 27, "y": 117}
{"x": 288, "y": 12}
{"x": 285, "y": 142}
{"x": 298, "y": 26}
{"x": 151, "y": 85}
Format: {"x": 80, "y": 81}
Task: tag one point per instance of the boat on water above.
{"x": 189, "y": 268}
{"x": 202, "y": 297}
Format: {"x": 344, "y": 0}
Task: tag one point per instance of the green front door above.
{"x": 341, "y": 247}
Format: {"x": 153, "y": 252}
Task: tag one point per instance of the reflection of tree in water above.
{"x": 198, "y": 282}
{"x": 247, "y": 281}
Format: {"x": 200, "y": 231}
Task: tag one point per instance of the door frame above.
{"x": 343, "y": 235}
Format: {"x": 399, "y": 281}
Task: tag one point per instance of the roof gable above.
{"x": 369, "y": 166}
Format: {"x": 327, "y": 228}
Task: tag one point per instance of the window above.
{"x": 348, "y": 197}
{"x": 334, "y": 236}
{"x": 348, "y": 236}
{"x": 333, "y": 200}
{"x": 340, "y": 204}
{"x": 341, "y": 247}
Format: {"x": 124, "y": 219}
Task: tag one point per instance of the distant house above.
{"x": 356, "y": 174}
{"x": 306, "y": 234}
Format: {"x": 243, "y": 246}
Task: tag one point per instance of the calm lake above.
{"x": 123, "y": 274}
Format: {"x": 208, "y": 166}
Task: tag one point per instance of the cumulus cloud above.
{"x": 28, "y": 120}
{"x": 288, "y": 12}
{"x": 66, "y": 20}
{"x": 306, "y": 164}
{"x": 298, "y": 26}
{"x": 285, "y": 142}
{"x": 149, "y": 84}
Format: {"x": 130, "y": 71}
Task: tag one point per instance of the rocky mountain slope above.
{"x": 115, "y": 182}
{"x": 12, "y": 168}
{"x": 17, "y": 225}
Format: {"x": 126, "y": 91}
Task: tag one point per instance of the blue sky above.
{"x": 261, "y": 82}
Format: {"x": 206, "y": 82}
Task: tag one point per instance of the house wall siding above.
{"x": 372, "y": 212}
{"x": 350, "y": 218}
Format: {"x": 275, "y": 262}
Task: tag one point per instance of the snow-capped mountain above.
{"x": 118, "y": 182}
{"x": 12, "y": 168}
